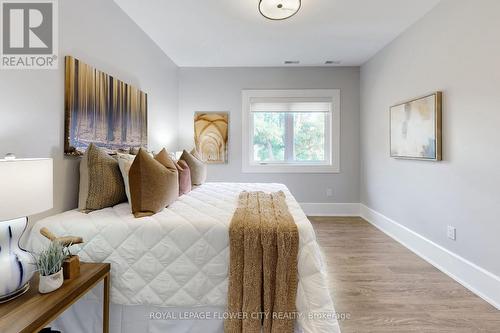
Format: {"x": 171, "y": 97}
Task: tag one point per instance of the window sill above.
{"x": 269, "y": 168}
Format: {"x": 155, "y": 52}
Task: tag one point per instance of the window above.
{"x": 291, "y": 130}
{"x": 286, "y": 133}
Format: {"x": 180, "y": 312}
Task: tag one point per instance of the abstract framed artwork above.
{"x": 415, "y": 128}
{"x": 211, "y": 136}
{"x": 102, "y": 110}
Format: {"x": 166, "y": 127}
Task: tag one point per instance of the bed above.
{"x": 169, "y": 272}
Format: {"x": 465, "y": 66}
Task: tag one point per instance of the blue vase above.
{"x": 17, "y": 266}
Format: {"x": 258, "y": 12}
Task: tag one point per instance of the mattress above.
{"x": 179, "y": 258}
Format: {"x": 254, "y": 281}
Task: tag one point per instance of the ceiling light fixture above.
{"x": 279, "y": 9}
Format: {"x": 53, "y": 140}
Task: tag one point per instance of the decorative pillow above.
{"x": 135, "y": 150}
{"x": 154, "y": 183}
{"x": 101, "y": 183}
{"x": 196, "y": 165}
{"x": 125, "y": 162}
{"x": 184, "y": 177}
{"x": 164, "y": 158}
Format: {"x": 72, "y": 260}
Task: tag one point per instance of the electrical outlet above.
{"x": 329, "y": 192}
{"x": 452, "y": 233}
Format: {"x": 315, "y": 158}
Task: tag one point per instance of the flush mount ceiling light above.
{"x": 279, "y": 9}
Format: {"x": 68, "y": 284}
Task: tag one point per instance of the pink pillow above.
{"x": 184, "y": 177}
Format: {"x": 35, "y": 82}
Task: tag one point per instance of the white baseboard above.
{"x": 330, "y": 209}
{"x": 478, "y": 280}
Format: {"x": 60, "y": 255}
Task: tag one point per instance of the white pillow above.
{"x": 125, "y": 162}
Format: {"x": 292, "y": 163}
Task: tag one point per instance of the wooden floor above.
{"x": 384, "y": 287}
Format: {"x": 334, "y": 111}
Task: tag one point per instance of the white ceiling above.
{"x": 223, "y": 33}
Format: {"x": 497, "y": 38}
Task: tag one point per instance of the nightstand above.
{"x": 33, "y": 311}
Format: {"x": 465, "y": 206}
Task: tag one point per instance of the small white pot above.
{"x": 50, "y": 283}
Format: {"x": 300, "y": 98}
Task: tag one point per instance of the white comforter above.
{"x": 180, "y": 257}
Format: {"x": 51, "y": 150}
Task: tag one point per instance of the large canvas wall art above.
{"x": 416, "y": 128}
{"x": 211, "y": 136}
{"x": 102, "y": 110}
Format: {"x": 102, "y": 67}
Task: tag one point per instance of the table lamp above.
{"x": 25, "y": 189}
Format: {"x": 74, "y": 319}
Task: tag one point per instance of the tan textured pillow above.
{"x": 196, "y": 165}
{"x": 101, "y": 182}
{"x": 154, "y": 183}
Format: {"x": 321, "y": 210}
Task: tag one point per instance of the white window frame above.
{"x": 333, "y": 165}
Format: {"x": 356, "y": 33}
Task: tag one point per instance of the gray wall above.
{"x": 454, "y": 49}
{"x": 219, "y": 89}
{"x": 32, "y": 102}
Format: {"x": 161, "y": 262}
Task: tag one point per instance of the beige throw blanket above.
{"x": 264, "y": 243}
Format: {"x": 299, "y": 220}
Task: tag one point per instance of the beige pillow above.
{"x": 173, "y": 187}
{"x": 135, "y": 150}
{"x": 101, "y": 182}
{"x": 125, "y": 162}
{"x": 197, "y": 167}
{"x": 154, "y": 183}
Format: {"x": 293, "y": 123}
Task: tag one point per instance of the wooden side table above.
{"x": 33, "y": 311}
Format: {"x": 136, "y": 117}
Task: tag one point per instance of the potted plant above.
{"x": 49, "y": 264}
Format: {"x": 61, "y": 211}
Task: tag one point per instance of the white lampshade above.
{"x": 26, "y": 187}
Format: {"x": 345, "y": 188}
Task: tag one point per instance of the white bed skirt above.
{"x": 85, "y": 316}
